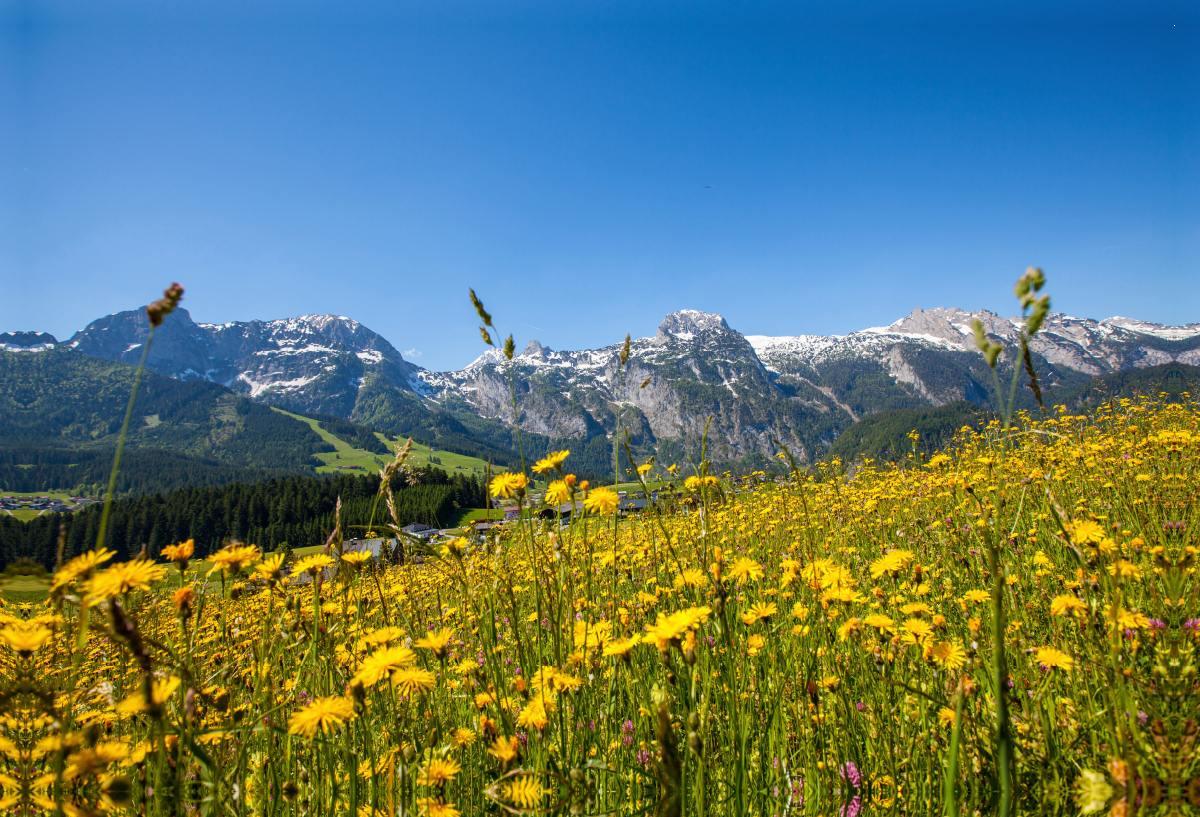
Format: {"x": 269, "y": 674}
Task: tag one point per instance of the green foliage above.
{"x": 295, "y": 510}
{"x": 62, "y": 399}
{"x": 85, "y": 472}
{"x": 884, "y": 436}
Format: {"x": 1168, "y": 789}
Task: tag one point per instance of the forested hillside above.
{"x": 61, "y": 414}
{"x": 884, "y": 435}
{"x": 295, "y": 510}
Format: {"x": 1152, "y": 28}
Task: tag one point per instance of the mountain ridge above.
{"x": 801, "y": 389}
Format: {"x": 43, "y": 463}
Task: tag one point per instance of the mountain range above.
{"x": 803, "y": 390}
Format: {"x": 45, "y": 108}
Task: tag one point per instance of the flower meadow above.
{"x": 823, "y": 645}
{"x": 1005, "y": 627}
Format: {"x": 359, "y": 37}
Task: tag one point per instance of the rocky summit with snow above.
{"x": 802, "y": 390}
{"x": 314, "y": 363}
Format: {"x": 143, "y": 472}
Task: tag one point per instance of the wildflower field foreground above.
{"x": 1009, "y": 625}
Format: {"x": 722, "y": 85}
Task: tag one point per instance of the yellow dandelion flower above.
{"x": 232, "y": 558}
{"x": 26, "y": 640}
{"x": 312, "y": 564}
{"x": 1054, "y": 659}
{"x": 436, "y": 641}
{"x": 411, "y": 680}
{"x": 439, "y": 772}
{"x": 949, "y": 655}
{"x": 382, "y": 664}
{"x": 746, "y": 568}
{"x": 505, "y": 749}
{"x": 1066, "y": 605}
{"x": 436, "y": 807}
{"x": 508, "y": 484}
{"x": 121, "y": 578}
{"x": 180, "y": 552}
{"x": 322, "y": 715}
{"x": 551, "y": 462}
{"x": 80, "y": 566}
{"x": 602, "y": 500}
{"x": 759, "y": 612}
{"x": 1087, "y": 532}
{"x": 557, "y": 493}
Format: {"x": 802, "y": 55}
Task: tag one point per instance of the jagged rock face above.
{"x": 311, "y": 363}
{"x": 802, "y": 390}
{"x": 694, "y": 367}
{"x": 1069, "y": 346}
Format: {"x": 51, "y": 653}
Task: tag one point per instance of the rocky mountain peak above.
{"x": 687, "y": 323}
{"x": 536, "y": 349}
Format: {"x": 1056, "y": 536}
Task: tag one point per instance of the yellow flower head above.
{"x": 620, "y": 649}
{"x": 312, "y": 564}
{"x": 949, "y": 655}
{"x": 439, "y": 771}
{"x": 759, "y": 612}
{"x": 412, "y": 681}
{"x": 322, "y": 715}
{"x": 436, "y": 641}
{"x": 382, "y": 664}
{"x": 602, "y": 500}
{"x": 1054, "y": 659}
{"x": 121, "y": 578}
{"x": 232, "y": 558}
{"x": 508, "y": 484}
{"x": 80, "y": 566}
{"x": 1087, "y": 532}
{"x": 551, "y": 462}
{"x": 180, "y": 552}
{"x": 746, "y": 568}
{"x": 557, "y": 493}
{"x": 1067, "y": 605}
{"x": 505, "y": 749}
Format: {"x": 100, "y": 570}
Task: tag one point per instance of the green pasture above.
{"x": 347, "y": 456}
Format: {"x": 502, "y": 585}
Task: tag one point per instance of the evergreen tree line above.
{"x": 352, "y": 433}
{"x": 298, "y": 511}
{"x": 31, "y": 469}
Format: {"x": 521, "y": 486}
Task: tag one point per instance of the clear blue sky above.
{"x": 310, "y": 157}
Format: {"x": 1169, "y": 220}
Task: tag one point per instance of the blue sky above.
{"x": 588, "y": 170}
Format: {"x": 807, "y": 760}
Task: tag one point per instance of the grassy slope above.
{"x": 346, "y": 454}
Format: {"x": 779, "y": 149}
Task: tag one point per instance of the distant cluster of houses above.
{"x": 45, "y": 503}
{"x": 566, "y": 510}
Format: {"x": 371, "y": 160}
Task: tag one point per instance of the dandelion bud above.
{"x": 483, "y": 315}
{"x": 695, "y": 743}
{"x": 304, "y": 776}
{"x": 576, "y": 775}
{"x": 1041, "y": 308}
{"x": 693, "y": 721}
{"x": 410, "y": 753}
{"x": 165, "y": 305}
{"x": 980, "y": 335}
